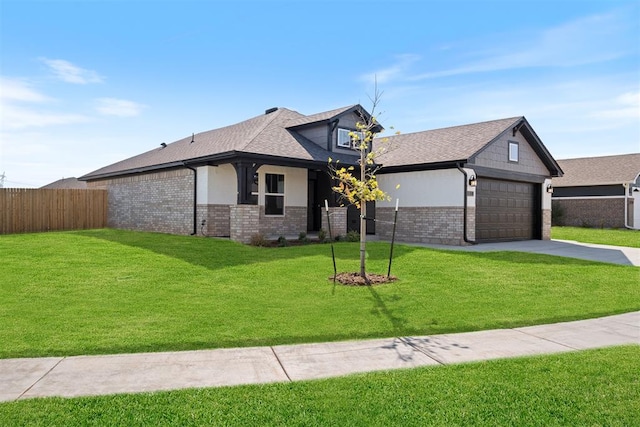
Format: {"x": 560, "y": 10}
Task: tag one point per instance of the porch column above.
{"x": 247, "y": 182}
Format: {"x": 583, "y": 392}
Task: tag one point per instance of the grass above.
{"x": 111, "y": 291}
{"x": 595, "y": 387}
{"x": 601, "y": 236}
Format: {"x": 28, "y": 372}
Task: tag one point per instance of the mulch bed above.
{"x": 354, "y": 279}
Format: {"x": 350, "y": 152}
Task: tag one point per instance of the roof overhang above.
{"x": 421, "y": 166}
{"x": 223, "y": 158}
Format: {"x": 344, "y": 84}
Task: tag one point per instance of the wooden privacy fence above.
{"x": 24, "y": 210}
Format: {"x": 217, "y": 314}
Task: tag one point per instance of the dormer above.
{"x": 330, "y": 130}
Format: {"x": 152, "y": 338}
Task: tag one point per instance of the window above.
{"x": 274, "y": 194}
{"x": 513, "y": 151}
{"x": 344, "y": 140}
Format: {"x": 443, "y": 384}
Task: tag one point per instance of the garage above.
{"x": 507, "y": 210}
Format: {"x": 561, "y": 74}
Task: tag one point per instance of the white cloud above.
{"x": 393, "y": 72}
{"x": 622, "y": 107}
{"x": 14, "y": 116}
{"x": 574, "y": 116}
{"x": 118, "y": 107}
{"x": 70, "y": 73}
{"x": 587, "y": 40}
{"x": 19, "y": 90}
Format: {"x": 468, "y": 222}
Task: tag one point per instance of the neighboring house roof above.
{"x": 605, "y": 170}
{"x": 457, "y": 144}
{"x": 66, "y": 183}
{"x": 265, "y": 135}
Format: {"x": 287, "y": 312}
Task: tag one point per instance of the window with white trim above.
{"x": 274, "y": 194}
{"x": 513, "y": 151}
{"x": 344, "y": 139}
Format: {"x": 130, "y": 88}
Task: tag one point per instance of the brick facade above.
{"x": 217, "y": 220}
{"x": 594, "y": 212}
{"x": 338, "y": 217}
{"x": 160, "y": 202}
{"x": 546, "y": 224}
{"x": 440, "y": 225}
{"x": 244, "y": 221}
{"x": 471, "y": 224}
{"x": 248, "y": 220}
{"x": 291, "y": 224}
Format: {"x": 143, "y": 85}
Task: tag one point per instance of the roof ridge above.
{"x": 274, "y": 115}
{"x": 456, "y": 126}
{"x": 318, "y": 117}
{"x": 261, "y": 129}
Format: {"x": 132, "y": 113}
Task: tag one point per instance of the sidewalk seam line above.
{"x": 546, "y": 339}
{"x": 280, "y": 363}
{"x": 40, "y": 379}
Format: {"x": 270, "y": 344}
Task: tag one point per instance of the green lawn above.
{"x": 594, "y": 388}
{"x": 601, "y": 236}
{"x": 111, "y": 291}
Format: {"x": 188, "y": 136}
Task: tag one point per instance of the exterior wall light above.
{"x": 549, "y": 188}
{"x": 473, "y": 181}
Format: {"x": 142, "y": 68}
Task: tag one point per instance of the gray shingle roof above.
{"x": 66, "y": 183}
{"x": 441, "y": 145}
{"x": 605, "y": 170}
{"x": 273, "y": 135}
{"x": 319, "y": 117}
{"x": 266, "y": 134}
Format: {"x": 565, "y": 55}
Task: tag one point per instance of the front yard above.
{"x": 110, "y": 291}
{"x": 601, "y": 236}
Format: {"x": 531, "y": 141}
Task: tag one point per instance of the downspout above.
{"x": 195, "y": 199}
{"x": 464, "y": 214}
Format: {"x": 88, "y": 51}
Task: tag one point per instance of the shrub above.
{"x": 258, "y": 239}
{"x": 302, "y": 237}
{"x": 557, "y": 213}
{"x": 353, "y": 236}
{"x": 282, "y": 241}
{"x": 322, "y": 235}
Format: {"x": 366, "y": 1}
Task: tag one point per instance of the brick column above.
{"x": 546, "y": 224}
{"x": 244, "y": 222}
{"x": 338, "y": 221}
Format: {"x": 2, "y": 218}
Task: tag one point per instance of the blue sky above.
{"x": 84, "y": 84}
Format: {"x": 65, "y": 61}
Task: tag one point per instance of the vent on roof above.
{"x": 270, "y": 110}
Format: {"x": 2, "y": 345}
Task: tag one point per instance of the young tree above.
{"x": 358, "y": 191}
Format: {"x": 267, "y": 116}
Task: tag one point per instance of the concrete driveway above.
{"x": 564, "y": 248}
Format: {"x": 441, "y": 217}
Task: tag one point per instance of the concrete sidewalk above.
{"x": 131, "y": 373}
{"x": 564, "y": 248}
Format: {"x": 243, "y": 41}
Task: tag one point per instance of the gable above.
{"x": 479, "y": 144}
{"x": 496, "y": 156}
{"x": 322, "y": 128}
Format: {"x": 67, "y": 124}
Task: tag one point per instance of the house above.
{"x": 66, "y": 183}
{"x": 481, "y": 182}
{"x": 599, "y": 192}
{"x": 268, "y": 175}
